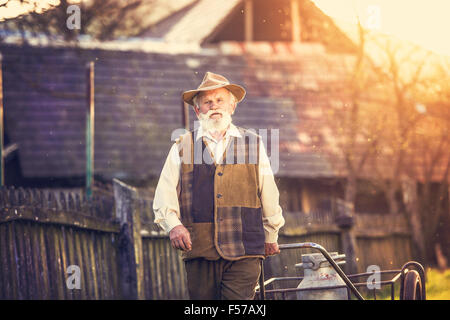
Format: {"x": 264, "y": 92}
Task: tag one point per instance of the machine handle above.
{"x": 312, "y": 245}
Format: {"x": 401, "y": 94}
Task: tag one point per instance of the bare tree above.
{"x": 100, "y": 19}
{"x": 355, "y": 124}
{"x": 380, "y": 131}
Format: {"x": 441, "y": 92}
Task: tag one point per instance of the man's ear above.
{"x": 234, "y": 108}
{"x": 196, "y": 110}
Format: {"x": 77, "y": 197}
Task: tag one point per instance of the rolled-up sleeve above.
{"x": 165, "y": 202}
{"x": 270, "y": 198}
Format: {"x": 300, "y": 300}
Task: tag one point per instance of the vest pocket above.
{"x": 252, "y": 230}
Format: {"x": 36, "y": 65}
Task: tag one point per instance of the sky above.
{"x": 424, "y": 22}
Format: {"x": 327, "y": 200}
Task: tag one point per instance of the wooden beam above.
{"x": 295, "y": 17}
{"x": 248, "y": 14}
{"x": 130, "y": 243}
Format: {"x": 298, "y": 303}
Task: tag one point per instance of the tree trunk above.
{"x": 410, "y": 198}
{"x": 392, "y": 200}
{"x": 345, "y": 221}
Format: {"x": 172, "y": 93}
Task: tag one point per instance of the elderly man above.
{"x": 217, "y": 197}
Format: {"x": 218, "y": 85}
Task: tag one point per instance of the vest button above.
{"x": 219, "y": 195}
{"x": 220, "y": 173}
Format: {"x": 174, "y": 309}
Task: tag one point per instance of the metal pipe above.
{"x": 90, "y": 116}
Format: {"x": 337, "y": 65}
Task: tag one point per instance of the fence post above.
{"x": 345, "y": 221}
{"x": 130, "y": 242}
{"x": 2, "y": 163}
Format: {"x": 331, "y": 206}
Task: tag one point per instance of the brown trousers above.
{"x": 222, "y": 279}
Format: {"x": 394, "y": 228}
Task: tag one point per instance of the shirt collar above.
{"x": 232, "y": 131}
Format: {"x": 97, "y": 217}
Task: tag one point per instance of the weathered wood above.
{"x": 93, "y": 265}
{"x": 131, "y": 264}
{"x": 5, "y": 273}
{"x": 113, "y": 261}
{"x": 82, "y": 263}
{"x": 64, "y": 260}
{"x": 104, "y": 273}
{"x": 90, "y": 291}
{"x": 151, "y": 269}
{"x": 20, "y": 260}
{"x": 31, "y": 271}
{"x": 60, "y": 218}
{"x": 38, "y": 241}
{"x": 59, "y": 278}
{"x": 73, "y": 294}
{"x": 44, "y": 264}
{"x": 96, "y": 238}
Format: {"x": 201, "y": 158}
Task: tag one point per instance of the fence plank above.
{"x": 101, "y": 272}
{"x": 43, "y": 259}
{"x": 15, "y": 262}
{"x": 6, "y": 290}
{"x": 112, "y": 243}
{"x": 87, "y": 266}
{"x": 35, "y": 252}
{"x": 64, "y": 261}
{"x": 57, "y": 264}
{"x": 83, "y": 264}
{"x": 74, "y": 294}
{"x": 106, "y": 271}
{"x": 96, "y": 265}
{"x": 22, "y": 260}
{"x": 92, "y": 265}
{"x": 32, "y": 283}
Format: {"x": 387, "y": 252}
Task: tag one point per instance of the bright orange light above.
{"x": 16, "y": 8}
{"x": 423, "y": 22}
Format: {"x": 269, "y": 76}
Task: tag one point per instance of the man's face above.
{"x": 215, "y": 100}
{"x": 214, "y": 109}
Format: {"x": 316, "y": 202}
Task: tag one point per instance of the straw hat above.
{"x": 213, "y": 81}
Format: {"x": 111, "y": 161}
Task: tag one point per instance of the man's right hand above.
{"x": 180, "y": 238}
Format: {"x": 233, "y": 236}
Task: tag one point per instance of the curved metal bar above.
{"x": 420, "y": 269}
{"x": 312, "y": 245}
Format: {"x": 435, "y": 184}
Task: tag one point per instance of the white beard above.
{"x": 219, "y": 125}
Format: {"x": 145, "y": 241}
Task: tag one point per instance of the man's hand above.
{"x": 180, "y": 238}
{"x": 271, "y": 249}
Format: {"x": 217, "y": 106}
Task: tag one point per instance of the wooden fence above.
{"x": 122, "y": 254}
{"x": 43, "y": 232}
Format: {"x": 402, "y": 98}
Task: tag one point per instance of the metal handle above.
{"x": 312, "y": 245}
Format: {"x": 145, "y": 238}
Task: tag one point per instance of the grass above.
{"x": 437, "y": 287}
{"x": 438, "y": 284}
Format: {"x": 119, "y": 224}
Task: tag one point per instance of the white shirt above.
{"x": 165, "y": 202}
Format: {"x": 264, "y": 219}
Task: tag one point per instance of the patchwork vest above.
{"x": 220, "y": 202}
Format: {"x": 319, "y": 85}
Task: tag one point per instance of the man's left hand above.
{"x": 271, "y": 248}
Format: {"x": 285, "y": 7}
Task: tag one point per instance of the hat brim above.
{"x": 236, "y": 90}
